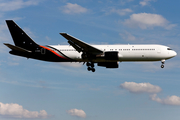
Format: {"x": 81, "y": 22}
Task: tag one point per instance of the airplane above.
{"x": 78, "y": 51}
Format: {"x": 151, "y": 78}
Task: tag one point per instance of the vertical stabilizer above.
{"x": 20, "y": 38}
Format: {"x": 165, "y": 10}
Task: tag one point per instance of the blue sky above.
{"x": 32, "y": 89}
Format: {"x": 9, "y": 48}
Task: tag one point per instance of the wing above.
{"x": 81, "y": 46}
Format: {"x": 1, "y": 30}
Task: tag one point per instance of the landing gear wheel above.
{"x": 162, "y": 61}
{"x": 162, "y": 66}
{"x": 88, "y": 68}
{"x": 88, "y": 64}
{"x": 93, "y": 70}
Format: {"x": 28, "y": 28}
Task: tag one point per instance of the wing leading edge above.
{"x": 81, "y": 46}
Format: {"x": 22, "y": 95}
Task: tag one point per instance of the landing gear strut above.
{"x": 90, "y": 66}
{"x": 162, "y": 61}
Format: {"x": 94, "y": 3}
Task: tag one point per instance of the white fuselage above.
{"x": 125, "y": 52}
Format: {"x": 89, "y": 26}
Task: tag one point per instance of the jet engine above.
{"x": 108, "y": 64}
{"x": 111, "y": 55}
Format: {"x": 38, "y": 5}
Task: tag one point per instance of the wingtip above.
{"x": 4, "y": 43}
{"x": 62, "y": 33}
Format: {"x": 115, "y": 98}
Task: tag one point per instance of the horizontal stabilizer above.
{"x": 16, "y": 48}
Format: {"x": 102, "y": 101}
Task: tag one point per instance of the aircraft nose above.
{"x": 174, "y": 53}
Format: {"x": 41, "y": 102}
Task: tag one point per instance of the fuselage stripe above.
{"x": 54, "y": 52}
{"x": 61, "y": 53}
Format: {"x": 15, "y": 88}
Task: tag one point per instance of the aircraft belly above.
{"x": 73, "y": 55}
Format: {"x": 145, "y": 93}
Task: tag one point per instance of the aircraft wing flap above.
{"x": 16, "y": 48}
{"x": 81, "y": 46}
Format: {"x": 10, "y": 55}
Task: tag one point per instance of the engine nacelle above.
{"x": 108, "y": 64}
{"x": 111, "y": 55}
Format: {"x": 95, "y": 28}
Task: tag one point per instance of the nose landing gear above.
{"x": 162, "y": 66}
{"x": 162, "y": 61}
{"x": 90, "y": 66}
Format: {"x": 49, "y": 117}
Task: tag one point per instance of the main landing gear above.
{"x": 162, "y": 61}
{"x": 90, "y": 66}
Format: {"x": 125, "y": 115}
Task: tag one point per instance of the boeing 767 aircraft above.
{"x": 78, "y": 51}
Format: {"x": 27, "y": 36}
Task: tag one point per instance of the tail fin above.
{"x": 20, "y": 38}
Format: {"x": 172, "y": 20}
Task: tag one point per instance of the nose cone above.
{"x": 174, "y": 53}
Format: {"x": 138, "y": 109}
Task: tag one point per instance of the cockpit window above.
{"x": 169, "y": 49}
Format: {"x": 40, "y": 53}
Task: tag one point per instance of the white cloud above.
{"x": 149, "y": 88}
{"x": 145, "y": 2}
{"x": 140, "y": 87}
{"x": 121, "y": 11}
{"x": 148, "y": 20}
{"x": 170, "y": 100}
{"x": 73, "y": 9}
{"x": 127, "y": 36}
{"x": 17, "y": 111}
{"x": 16, "y": 4}
{"x": 77, "y": 113}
